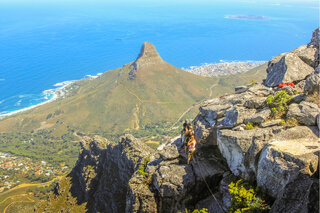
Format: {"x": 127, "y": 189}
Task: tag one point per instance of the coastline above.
{"x": 55, "y": 97}
{"x": 205, "y": 69}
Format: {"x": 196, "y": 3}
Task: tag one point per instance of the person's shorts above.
{"x": 191, "y": 152}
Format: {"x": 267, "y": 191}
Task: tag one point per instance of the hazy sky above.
{"x": 159, "y": 1}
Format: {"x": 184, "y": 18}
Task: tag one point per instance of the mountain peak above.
{"x": 148, "y": 56}
{"x": 148, "y": 50}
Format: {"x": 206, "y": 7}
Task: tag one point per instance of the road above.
{"x": 25, "y": 185}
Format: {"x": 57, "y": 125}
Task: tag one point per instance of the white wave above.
{"x": 64, "y": 83}
{"x": 18, "y": 103}
{"x": 6, "y": 113}
{"x": 92, "y": 76}
{"x": 2, "y": 79}
{"x": 100, "y": 73}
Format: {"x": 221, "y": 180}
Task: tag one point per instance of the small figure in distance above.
{"x": 185, "y": 129}
{"x": 192, "y": 147}
{"x": 188, "y": 135}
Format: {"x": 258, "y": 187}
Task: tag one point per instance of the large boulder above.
{"x": 312, "y": 83}
{"x": 299, "y": 196}
{"x": 235, "y": 116}
{"x": 172, "y": 183}
{"x": 240, "y": 148}
{"x": 315, "y": 41}
{"x": 259, "y": 117}
{"x": 305, "y": 113}
{"x": 287, "y": 68}
{"x": 282, "y": 161}
{"x": 307, "y": 55}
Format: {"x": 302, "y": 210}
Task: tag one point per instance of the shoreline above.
{"x": 198, "y": 70}
{"x": 55, "y": 97}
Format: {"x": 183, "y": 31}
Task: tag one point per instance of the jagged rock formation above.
{"x": 148, "y": 56}
{"x": 296, "y": 65}
{"x": 281, "y": 158}
{"x": 102, "y": 172}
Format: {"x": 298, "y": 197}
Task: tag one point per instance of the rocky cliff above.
{"x": 262, "y": 133}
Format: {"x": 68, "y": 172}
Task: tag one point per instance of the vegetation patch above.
{"x": 250, "y": 125}
{"x": 142, "y": 167}
{"x": 246, "y": 199}
{"x": 289, "y": 122}
{"x": 278, "y": 103}
{"x": 204, "y": 210}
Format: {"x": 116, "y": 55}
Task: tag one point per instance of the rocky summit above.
{"x": 148, "y": 56}
{"x": 262, "y": 133}
{"x": 296, "y": 65}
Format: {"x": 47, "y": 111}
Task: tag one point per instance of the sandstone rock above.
{"x": 204, "y": 131}
{"x": 213, "y": 112}
{"x": 299, "y": 196}
{"x": 172, "y": 184}
{"x": 299, "y": 87}
{"x": 286, "y": 68}
{"x": 211, "y": 204}
{"x": 259, "y": 117}
{"x": 241, "y": 127}
{"x": 315, "y": 41}
{"x": 255, "y": 103}
{"x": 240, "y": 148}
{"x": 312, "y": 83}
{"x": 240, "y": 89}
{"x": 103, "y": 171}
{"x": 298, "y": 98}
{"x": 298, "y": 132}
{"x": 306, "y": 54}
{"x": 270, "y": 123}
{"x": 305, "y": 113}
{"x": 236, "y": 116}
{"x": 169, "y": 152}
{"x": 139, "y": 197}
{"x": 318, "y": 121}
{"x": 281, "y": 162}
{"x": 317, "y": 70}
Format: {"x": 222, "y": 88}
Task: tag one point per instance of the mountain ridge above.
{"x": 145, "y": 92}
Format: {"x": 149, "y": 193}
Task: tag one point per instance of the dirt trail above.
{"x": 197, "y": 104}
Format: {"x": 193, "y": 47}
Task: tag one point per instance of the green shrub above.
{"x": 278, "y": 103}
{"x": 245, "y": 199}
{"x": 250, "y": 125}
{"x": 142, "y": 167}
{"x": 204, "y": 210}
{"x": 282, "y": 123}
{"x": 290, "y": 122}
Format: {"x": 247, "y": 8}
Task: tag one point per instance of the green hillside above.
{"x": 145, "y": 94}
{"x": 115, "y": 101}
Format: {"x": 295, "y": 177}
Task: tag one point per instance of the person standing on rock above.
{"x": 185, "y": 134}
{"x": 191, "y": 147}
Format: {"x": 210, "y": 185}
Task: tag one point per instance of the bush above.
{"x": 245, "y": 199}
{"x": 290, "y": 122}
{"x": 250, "y": 125}
{"x": 204, "y": 210}
{"x": 278, "y": 103}
{"x": 142, "y": 167}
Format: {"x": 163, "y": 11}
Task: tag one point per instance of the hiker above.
{"x": 192, "y": 147}
{"x": 186, "y": 126}
{"x": 188, "y": 134}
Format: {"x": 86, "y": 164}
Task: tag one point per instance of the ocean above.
{"x": 46, "y": 44}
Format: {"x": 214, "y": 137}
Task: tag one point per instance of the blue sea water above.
{"x": 46, "y": 42}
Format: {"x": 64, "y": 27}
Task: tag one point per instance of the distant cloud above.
{"x": 2, "y": 79}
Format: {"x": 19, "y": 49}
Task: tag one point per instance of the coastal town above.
{"x": 223, "y": 68}
{"x": 16, "y": 170}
